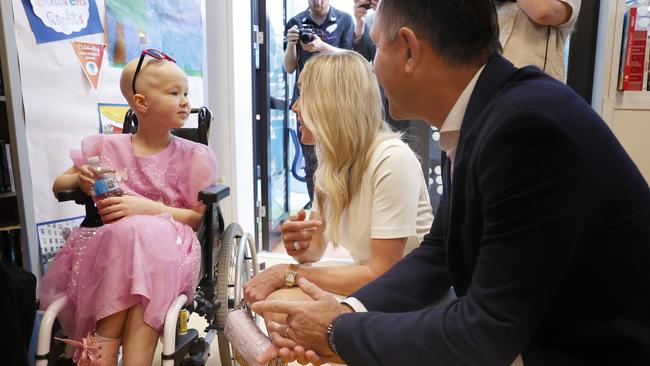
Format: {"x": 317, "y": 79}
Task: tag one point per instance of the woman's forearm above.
{"x": 342, "y": 280}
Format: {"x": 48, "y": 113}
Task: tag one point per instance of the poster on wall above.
{"x": 54, "y": 20}
{"x": 172, "y": 26}
{"x": 52, "y": 236}
{"x": 111, "y": 117}
{"x": 90, "y": 57}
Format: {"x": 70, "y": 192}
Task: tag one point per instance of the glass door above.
{"x": 271, "y": 122}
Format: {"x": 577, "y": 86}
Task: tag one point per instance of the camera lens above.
{"x": 306, "y": 37}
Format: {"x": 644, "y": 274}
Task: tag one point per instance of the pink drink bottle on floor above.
{"x": 106, "y": 183}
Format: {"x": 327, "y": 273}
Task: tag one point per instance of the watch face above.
{"x": 291, "y": 277}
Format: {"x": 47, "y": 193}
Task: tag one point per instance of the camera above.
{"x": 365, "y": 6}
{"x": 307, "y": 32}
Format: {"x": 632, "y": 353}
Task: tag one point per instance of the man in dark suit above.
{"x": 543, "y": 230}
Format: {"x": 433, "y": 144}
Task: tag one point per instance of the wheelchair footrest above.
{"x": 199, "y": 352}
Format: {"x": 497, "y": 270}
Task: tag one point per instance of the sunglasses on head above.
{"x": 152, "y": 53}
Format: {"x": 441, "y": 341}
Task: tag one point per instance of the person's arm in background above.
{"x": 291, "y": 52}
{"x": 547, "y": 12}
{"x": 362, "y": 42}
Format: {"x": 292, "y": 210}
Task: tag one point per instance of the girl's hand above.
{"x": 264, "y": 283}
{"x": 114, "y": 208}
{"x": 86, "y": 180}
{"x": 297, "y": 233}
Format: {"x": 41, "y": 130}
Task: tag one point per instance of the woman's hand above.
{"x": 114, "y": 208}
{"x": 264, "y": 283}
{"x": 297, "y": 233}
{"x": 86, "y": 180}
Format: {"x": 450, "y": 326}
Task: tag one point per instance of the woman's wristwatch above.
{"x": 290, "y": 276}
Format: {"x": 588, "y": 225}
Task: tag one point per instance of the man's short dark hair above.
{"x": 460, "y": 31}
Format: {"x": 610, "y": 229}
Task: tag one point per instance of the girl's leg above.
{"x": 140, "y": 339}
{"x": 113, "y": 325}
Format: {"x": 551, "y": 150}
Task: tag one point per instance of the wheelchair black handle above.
{"x": 75, "y": 194}
{"x": 214, "y": 194}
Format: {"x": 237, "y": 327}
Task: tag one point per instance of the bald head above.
{"x": 127, "y": 78}
{"x": 150, "y": 72}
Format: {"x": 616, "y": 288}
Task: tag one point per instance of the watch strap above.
{"x": 329, "y": 333}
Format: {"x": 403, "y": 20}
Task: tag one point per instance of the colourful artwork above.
{"x": 111, "y": 117}
{"x": 53, "y": 20}
{"x": 172, "y": 26}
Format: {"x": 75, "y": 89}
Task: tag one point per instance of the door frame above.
{"x": 261, "y": 125}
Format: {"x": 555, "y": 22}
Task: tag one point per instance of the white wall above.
{"x": 228, "y": 92}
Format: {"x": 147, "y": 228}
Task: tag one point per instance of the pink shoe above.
{"x": 95, "y": 350}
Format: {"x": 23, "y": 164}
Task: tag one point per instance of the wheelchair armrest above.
{"x": 214, "y": 194}
{"x": 75, "y": 194}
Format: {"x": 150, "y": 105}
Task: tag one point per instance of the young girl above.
{"x": 122, "y": 277}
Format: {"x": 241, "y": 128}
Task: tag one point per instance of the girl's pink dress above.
{"x": 142, "y": 259}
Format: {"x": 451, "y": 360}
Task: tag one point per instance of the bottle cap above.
{"x": 92, "y": 160}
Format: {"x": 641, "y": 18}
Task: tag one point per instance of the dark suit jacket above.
{"x": 544, "y": 235}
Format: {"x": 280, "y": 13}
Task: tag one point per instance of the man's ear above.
{"x": 413, "y": 48}
{"x": 140, "y": 103}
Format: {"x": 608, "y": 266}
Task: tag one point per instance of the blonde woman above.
{"x": 371, "y": 197}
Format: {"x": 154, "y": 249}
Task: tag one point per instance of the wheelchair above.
{"x": 228, "y": 260}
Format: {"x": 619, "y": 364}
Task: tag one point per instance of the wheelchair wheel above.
{"x": 237, "y": 263}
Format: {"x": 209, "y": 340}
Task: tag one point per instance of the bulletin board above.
{"x": 62, "y": 106}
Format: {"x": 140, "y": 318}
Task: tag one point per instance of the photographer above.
{"x": 323, "y": 28}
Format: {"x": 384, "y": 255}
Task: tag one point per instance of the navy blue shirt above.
{"x": 338, "y": 30}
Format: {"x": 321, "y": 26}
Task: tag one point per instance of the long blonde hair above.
{"x": 341, "y": 105}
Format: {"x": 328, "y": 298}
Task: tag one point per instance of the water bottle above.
{"x": 106, "y": 184}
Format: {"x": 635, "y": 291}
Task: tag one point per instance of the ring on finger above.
{"x": 296, "y": 245}
{"x": 286, "y": 332}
